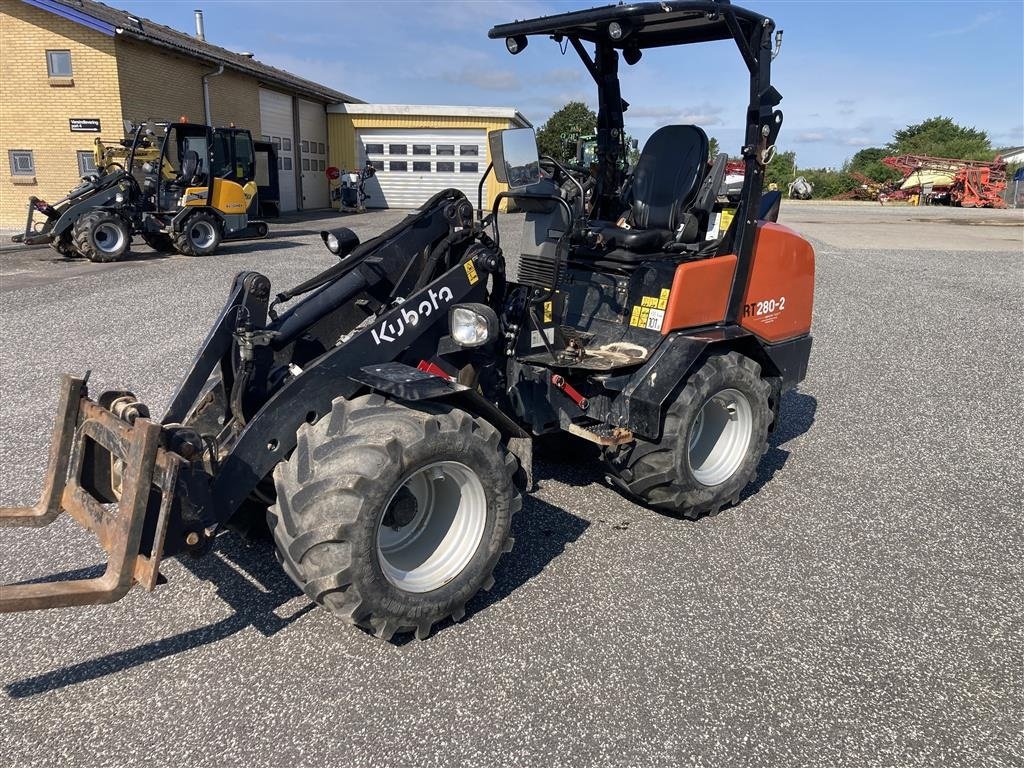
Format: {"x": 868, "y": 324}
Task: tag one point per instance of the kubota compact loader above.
{"x": 379, "y": 416}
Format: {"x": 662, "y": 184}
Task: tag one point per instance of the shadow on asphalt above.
{"x": 248, "y": 578}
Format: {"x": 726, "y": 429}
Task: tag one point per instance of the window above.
{"x": 287, "y": 164}
{"x": 421, "y": 149}
{"x": 446, "y": 149}
{"x": 323, "y": 166}
{"x": 277, "y": 142}
{"x": 86, "y": 162}
{"x": 305, "y": 147}
{"x": 377, "y": 165}
{"x": 469, "y": 149}
{"x": 265, "y": 138}
{"x": 421, "y": 167}
{"x": 469, "y": 168}
{"x": 398, "y": 165}
{"x": 445, "y": 167}
{"x": 398, "y": 149}
{"x": 22, "y": 163}
{"x": 286, "y": 144}
{"x": 375, "y": 149}
{"x": 321, "y": 149}
{"x": 280, "y": 163}
{"x": 58, "y": 63}
{"x": 305, "y": 163}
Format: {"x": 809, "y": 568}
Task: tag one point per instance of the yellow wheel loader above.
{"x": 179, "y": 186}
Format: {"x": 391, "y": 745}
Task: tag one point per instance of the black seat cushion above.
{"x": 639, "y": 240}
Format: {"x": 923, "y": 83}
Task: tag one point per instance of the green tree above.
{"x": 557, "y": 137}
{"x": 869, "y": 163}
{"x": 713, "y": 148}
{"x": 781, "y": 170}
{"x": 941, "y": 137}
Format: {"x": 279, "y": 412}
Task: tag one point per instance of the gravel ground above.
{"x": 862, "y": 606}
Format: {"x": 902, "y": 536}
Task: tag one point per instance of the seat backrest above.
{"x": 667, "y": 175}
{"x": 189, "y": 166}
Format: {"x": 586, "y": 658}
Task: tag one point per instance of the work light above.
{"x": 515, "y": 44}
{"x": 472, "y": 325}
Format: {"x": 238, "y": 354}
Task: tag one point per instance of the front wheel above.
{"x": 393, "y": 517}
{"x": 713, "y": 436}
{"x": 101, "y": 236}
{"x": 199, "y": 236}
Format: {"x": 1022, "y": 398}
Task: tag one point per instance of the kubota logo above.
{"x": 390, "y": 330}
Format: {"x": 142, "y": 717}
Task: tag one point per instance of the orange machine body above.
{"x": 779, "y": 298}
{"x": 780, "y": 292}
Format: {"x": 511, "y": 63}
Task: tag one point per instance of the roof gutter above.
{"x": 206, "y": 92}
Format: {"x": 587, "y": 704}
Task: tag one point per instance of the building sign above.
{"x": 84, "y": 124}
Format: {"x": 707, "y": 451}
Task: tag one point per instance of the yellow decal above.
{"x": 549, "y": 311}
{"x": 635, "y": 317}
{"x": 727, "y": 216}
{"x": 650, "y": 318}
{"x": 471, "y": 274}
{"x": 663, "y": 299}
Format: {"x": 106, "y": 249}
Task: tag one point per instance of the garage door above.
{"x": 278, "y": 127}
{"x": 413, "y": 164}
{"x": 313, "y": 149}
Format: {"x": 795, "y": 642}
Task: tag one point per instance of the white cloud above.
{"x": 485, "y": 78}
{"x": 810, "y": 136}
{"x": 979, "y": 21}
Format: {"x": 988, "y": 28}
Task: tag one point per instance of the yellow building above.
{"x": 417, "y": 150}
{"x": 72, "y": 70}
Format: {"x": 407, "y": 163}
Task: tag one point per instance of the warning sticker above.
{"x": 649, "y": 317}
{"x": 663, "y": 299}
{"x": 727, "y": 216}
{"x": 548, "y": 311}
{"x": 471, "y": 274}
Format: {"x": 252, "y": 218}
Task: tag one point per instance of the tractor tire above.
{"x": 64, "y": 246}
{"x": 713, "y": 437}
{"x": 394, "y": 517}
{"x": 101, "y": 236}
{"x": 159, "y": 241}
{"x": 200, "y": 235}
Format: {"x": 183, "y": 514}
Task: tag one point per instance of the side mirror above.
{"x": 514, "y": 154}
{"x": 341, "y": 241}
{"x": 770, "y": 204}
{"x": 634, "y": 144}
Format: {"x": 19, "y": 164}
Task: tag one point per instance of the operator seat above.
{"x": 664, "y": 184}
{"x": 189, "y": 168}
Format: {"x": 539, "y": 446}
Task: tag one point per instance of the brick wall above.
{"x": 235, "y": 98}
{"x": 34, "y": 112}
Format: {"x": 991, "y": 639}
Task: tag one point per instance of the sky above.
{"x": 850, "y": 72}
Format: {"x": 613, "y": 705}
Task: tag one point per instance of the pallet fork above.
{"x": 134, "y": 549}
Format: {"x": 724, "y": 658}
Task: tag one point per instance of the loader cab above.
{"x": 183, "y": 168}
{"x": 234, "y": 159}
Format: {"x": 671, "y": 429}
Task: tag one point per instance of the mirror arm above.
{"x": 480, "y": 193}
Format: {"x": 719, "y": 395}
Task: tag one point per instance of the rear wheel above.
{"x": 713, "y": 436}
{"x": 199, "y": 236}
{"x": 394, "y": 517}
{"x": 101, "y": 236}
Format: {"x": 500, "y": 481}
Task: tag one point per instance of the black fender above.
{"x": 101, "y": 199}
{"x": 644, "y": 394}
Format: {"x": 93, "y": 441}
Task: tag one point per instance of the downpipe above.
{"x": 206, "y": 92}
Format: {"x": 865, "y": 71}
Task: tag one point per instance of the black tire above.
{"x": 101, "y": 236}
{"x": 65, "y": 247}
{"x": 661, "y": 473}
{"x": 159, "y": 241}
{"x": 200, "y": 235}
{"x": 342, "y": 481}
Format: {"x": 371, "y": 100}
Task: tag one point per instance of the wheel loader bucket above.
{"x": 133, "y": 548}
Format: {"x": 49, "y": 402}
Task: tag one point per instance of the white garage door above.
{"x": 313, "y": 149}
{"x": 413, "y": 164}
{"x": 278, "y": 127}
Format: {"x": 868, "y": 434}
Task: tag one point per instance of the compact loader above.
{"x": 181, "y": 187}
{"x": 380, "y": 416}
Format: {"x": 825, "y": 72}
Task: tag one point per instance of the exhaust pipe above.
{"x": 200, "y": 27}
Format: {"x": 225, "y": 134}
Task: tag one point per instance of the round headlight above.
{"x": 472, "y": 325}
{"x": 615, "y": 31}
{"x": 119, "y": 197}
{"x": 512, "y": 45}
{"x": 332, "y": 243}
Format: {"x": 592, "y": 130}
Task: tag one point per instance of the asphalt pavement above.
{"x": 862, "y": 606}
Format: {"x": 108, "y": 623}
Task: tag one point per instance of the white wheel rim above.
{"x": 108, "y": 237}
{"x": 720, "y": 436}
{"x": 444, "y": 533}
{"x": 202, "y": 234}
